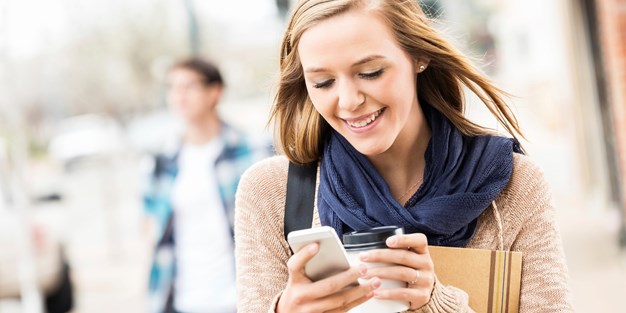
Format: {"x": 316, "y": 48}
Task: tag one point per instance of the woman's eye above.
{"x": 324, "y": 84}
{"x": 371, "y": 75}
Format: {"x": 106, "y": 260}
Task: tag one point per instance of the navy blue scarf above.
{"x": 463, "y": 175}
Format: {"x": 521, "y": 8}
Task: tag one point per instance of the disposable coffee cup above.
{"x": 369, "y": 239}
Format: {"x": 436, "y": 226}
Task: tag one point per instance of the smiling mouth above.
{"x": 366, "y": 121}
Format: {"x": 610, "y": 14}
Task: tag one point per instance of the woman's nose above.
{"x": 350, "y": 97}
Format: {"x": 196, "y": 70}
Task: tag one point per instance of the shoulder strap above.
{"x": 300, "y": 196}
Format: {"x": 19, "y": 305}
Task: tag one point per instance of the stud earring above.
{"x": 422, "y": 68}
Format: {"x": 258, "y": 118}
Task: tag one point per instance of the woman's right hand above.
{"x": 327, "y": 295}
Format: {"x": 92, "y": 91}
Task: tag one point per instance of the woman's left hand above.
{"x": 414, "y": 266}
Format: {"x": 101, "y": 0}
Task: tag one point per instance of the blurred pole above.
{"x": 590, "y": 12}
{"x": 432, "y": 8}
{"x": 3, "y": 28}
{"x": 283, "y": 7}
{"x": 194, "y": 36}
{"x": 31, "y": 297}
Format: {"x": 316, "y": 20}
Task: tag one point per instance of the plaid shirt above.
{"x": 239, "y": 152}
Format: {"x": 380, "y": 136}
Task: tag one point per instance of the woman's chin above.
{"x": 370, "y": 150}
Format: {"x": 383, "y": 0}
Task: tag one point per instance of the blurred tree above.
{"x": 113, "y": 54}
{"x": 105, "y": 66}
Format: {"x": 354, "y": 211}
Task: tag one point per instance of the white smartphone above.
{"x": 331, "y": 257}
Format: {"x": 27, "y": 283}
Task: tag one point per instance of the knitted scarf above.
{"x": 462, "y": 176}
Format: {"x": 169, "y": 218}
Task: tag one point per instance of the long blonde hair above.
{"x": 301, "y": 130}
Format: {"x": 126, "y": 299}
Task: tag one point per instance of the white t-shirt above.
{"x": 205, "y": 272}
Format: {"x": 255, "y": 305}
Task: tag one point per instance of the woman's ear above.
{"x": 421, "y": 64}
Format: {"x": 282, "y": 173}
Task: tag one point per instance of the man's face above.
{"x": 189, "y": 97}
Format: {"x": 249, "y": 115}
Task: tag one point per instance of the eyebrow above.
{"x": 357, "y": 63}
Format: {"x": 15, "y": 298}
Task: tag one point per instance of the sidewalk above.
{"x": 597, "y": 265}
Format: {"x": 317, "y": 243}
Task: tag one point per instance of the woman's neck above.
{"x": 402, "y": 166}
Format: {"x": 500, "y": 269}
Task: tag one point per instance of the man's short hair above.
{"x": 209, "y": 71}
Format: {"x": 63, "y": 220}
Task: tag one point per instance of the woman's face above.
{"x": 361, "y": 81}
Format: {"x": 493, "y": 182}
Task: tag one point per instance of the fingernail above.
{"x": 364, "y": 256}
{"x": 362, "y": 269}
{"x": 313, "y": 248}
{"x": 376, "y": 282}
{"x": 391, "y": 241}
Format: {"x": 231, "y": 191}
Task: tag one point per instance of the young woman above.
{"x": 375, "y": 96}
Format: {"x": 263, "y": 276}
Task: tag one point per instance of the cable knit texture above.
{"x": 527, "y": 216}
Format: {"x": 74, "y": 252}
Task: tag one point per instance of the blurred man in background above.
{"x": 190, "y": 197}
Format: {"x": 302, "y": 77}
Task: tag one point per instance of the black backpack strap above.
{"x": 300, "y": 196}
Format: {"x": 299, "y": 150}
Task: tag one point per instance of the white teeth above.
{"x": 366, "y": 121}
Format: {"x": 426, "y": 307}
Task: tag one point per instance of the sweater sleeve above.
{"x": 544, "y": 286}
{"x": 446, "y": 299}
{"x": 261, "y": 251}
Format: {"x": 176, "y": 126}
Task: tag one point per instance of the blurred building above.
{"x": 565, "y": 61}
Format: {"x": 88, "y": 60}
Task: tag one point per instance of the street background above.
{"x": 90, "y": 75}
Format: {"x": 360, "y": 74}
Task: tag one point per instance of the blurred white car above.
{"x": 85, "y": 136}
{"x": 154, "y": 132}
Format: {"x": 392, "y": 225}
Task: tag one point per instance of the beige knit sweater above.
{"x": 524, "y": 218}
